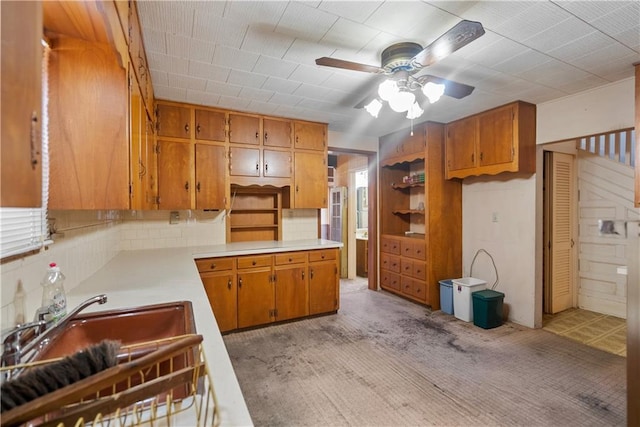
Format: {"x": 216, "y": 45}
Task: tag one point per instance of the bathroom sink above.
{"x": 130, "y": 326}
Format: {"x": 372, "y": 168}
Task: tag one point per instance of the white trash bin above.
{"x": 462, "y": 302}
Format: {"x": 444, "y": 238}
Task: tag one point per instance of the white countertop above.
{"x": 155, "y": 276}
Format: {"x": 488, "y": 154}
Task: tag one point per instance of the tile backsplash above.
{"x": 84, "y": 241}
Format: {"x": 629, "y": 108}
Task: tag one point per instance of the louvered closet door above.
{"x": 561, "y": 232}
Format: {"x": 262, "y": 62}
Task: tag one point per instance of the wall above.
{"x": 498, "y": 216}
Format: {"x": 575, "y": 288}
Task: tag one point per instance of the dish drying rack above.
{"x": 162, "y": 382}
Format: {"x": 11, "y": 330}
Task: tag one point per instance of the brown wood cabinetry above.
{"x": 21, "y": 180}
{"x": 492, "y": 142}
{"x": 174, "y": 180}
{"x": 310, "y": 136}
{"x": 310, "y": 176}
{"x": 420, "y": 219}
{"x": 244, "y": 129}
{"x": 89, "y": 145}
{"x": 210, "y": 176}
{"x": 276, "y": 133}
{"x": 210, "y": 125}
{"x": 173, "y": 121}
{"x": 254, "y": 290}
{"x": 362, "y": 257}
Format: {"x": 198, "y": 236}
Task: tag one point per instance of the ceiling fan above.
{"x": 401, "y": 60}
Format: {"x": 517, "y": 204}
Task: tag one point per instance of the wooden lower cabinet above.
{"x": 406, "y": 273}
{"x": 254, "y": 290}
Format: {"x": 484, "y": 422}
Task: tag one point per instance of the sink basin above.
{"x": 129, "y": 326}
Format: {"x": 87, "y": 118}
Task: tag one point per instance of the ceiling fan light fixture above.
{"x": 433, "y": 91}
{"x": 373, "y": 107}
{"x": 414, "y": 111}
{"x": 402, "y": 101}
{"x": 388, "y": 89}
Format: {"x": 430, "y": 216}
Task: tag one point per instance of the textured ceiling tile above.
{"x": 311, "y": 74}
{"x": 310, "y": 91}
{"x": 455, "y": 7}
{"x": 233, "y": 103}
{"x": 256, "y": 94}
{"x": 301, "y": 20}
{"x": 172, "y": 93}
{"x": 379, "y": 43}
{"x": 262, "y": 107}
{"x": 494, "y": 13}
{"x": 591, "y": 10}
{"x": 266, "y": 42}
{"x": 605, "y": 62}
{"x": 274, "y": 67}
{"x": 490, "y": 55}
{"x": 534, "y": 20}
{"x": 154, "y": 41}
{"x": 350, "y": 35}
{"x": 208, "y": 71}
{"x": 558, "y": 35}
{"x": 578, "y": 47}
{"x": 306, "y": 52}
{"x": 621, "y": 21}
{"x": 223, "y": 88}
{"x": 170, "y": 17}
{"x": 578, "y": 85}
{"x": 346, "y": 81}
{"x": 178, "y": 46}
{"x": 201, "y": 51}
{"x": 233, "y": 58}
{"x": 280, "y": 85}
{"x": 285, "y": 99}
{"x": 244, "y": 78}
{"x": 219, "y": 31}
{"x": 415, "y": 20}
{"x": 186, "y": 82}
{"x": 264, "y": 13}
{"x": 159, "y": 77}
{"x": 167, "y": 63}
{"x": 357, "y": 11}
{"x": 202, "y": 98}
{"x": 521, "y": 62}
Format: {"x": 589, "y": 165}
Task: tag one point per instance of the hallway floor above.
{"x": 597, "y": 330}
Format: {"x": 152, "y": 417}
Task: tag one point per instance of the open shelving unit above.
{"x": 255, "y": 214}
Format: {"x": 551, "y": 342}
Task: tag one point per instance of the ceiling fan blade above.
{"x": 461, "y": 34}
{"x": 451, "y": 88}
{"x": 348, "y": 65}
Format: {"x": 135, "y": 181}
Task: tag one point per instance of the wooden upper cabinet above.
{"x": 276, "y": 164}
{"x": 401, "y": 146}
{"x": 21, "y": 180}
{"x": 637, "y": 141}
{"x": 89, "y": 145}
{"x": 210, "y": 125}
{"x": 173, "y": 121}
{"x": 460, "y": 144}
{"x": 244, "y": 161}
{"x": 310, "y": 176}
{"x": 310, "y": 136}
{"x": 244, "y": 129}
{"x": 495, "y": 136}
{"x": 174, "y": 185}
{"x": 276, "y": 133}
{"x": 499, "y": 140}
{"x": 210, "y": 177}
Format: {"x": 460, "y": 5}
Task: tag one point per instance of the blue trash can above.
{"x": 446, "y": 296}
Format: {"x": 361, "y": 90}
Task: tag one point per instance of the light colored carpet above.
{"x": 383, "y": 361}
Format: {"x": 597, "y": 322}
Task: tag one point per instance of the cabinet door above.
{"x": 222, "y": 293}
{"x": 150, "y": 163}
{"x": 174, "y": 121}
{"x": 277, "y": 133}
{"x": 390, "y": 245}
{"x": 390, "y": 262}
{"x": 21, "y": 94}
{"x": 292, "y": 292}
{"x": 174, "y": 188}
{"x": 310, "y": 176}
{"x": 495, "y": 141}
{"x": 137, "y": 124}
{"x": 88, "y": 140}
{"x": 210, "y": 177}
{"x": 244, "y": 161}
{"x": 277, "y": 164}
{"x": 244, "y": 129}
{"x": 389, "y": 280}
{"x": 210, "y": 125}
{"x": 413, "y": 144}
{"x": 255, "y": 298}
{"x": 460, "y": 144}
{"x": 311, "y": 136}
{"x": 323, "y": 287}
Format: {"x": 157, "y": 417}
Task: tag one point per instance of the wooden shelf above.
{"x": 253, "y": 210}
{"x": 408, "y": 212}
{"x": 405, "y": 186}
{"x": 252, "y": 226}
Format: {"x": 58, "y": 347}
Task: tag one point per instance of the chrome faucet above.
{"x": 15, "y": 353}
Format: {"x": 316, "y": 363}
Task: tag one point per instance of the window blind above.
{"x": 25, "y": 229}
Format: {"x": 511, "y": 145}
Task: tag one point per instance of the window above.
{"x": 25, "y": 229}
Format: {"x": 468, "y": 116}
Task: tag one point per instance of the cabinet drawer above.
{"x": 390, "y": 280}
{"x": 254, "y": 261}
{"x": 413, "y": 249}
{"x": 389, "y": 245}
{"x": 291, "y": 258}
{"x": 419, "y": 270}
{"x": 389, "y": 262}
{"x": 414, "y": 288}
{"x": 322, "y": 255}
{"x": 214, "y": 264}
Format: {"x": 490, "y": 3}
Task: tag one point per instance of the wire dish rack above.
{"x": 163, "y": 382}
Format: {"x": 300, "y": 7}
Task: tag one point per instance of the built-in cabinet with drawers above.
{"x": 253, "y": 290}
{"x": 420, "y": 215}
{"x": 499, "y": 140}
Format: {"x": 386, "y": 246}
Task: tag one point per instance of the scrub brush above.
{"x": 40, "y": 380}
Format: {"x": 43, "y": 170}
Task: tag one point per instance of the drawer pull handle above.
{"x": 186, "y": 128}
{"x": 253, "y": 262}
{"x": 290, "y": 259}
{"x": 302, "y": 274}
{"x": 239, "y": 282}
{"x": 229, "y": 284}
{"x": 311, "y": 273}
{"x": 213, "y": 266}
